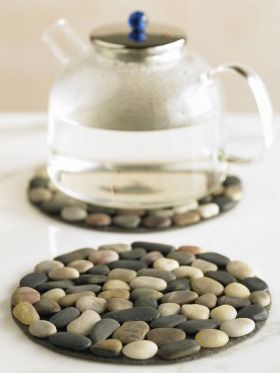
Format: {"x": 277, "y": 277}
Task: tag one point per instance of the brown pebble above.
{"x": 162, "y": 336}
{"x": 25, "y": 294}
{"x": 187, "y": 218}
{"x": 191, "y": 249}
{"x": 151, "y": 257}
{"x": 153, "y": 221}
{"x": 98, "y": 220}
{"x": 103, "y": 256}
{"x": 131, "y": 331}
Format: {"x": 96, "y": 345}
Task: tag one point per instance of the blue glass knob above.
{"x": 138, "y": 21}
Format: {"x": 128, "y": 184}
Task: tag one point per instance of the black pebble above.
{"x": 223, "y": 277}
{"x": 133, "y": 314}
{"x": 90, "y": 279}
{"x": 153, "y": 246}
{"x": 231, "y": 180}
{"x": 167, "y": 321}
{"x": 254, "y": 284}
{"x": 215, "y": 258}
{"x": 224, "y": 203}
{"x": 191, "y": 327}
{"x": 234, "y": 302}
{"x": 70, "y": 341}
{"x": 32, "y": 280}
{"x": 127, "y": 264}
{"x": 133, "y": 254}
{"x": 158, "y": 273}
{"x": 77, "y": 289}
{"x": 256, "y": 312}
{"x": 54, "y": 284}
{"x": 62, "y": 318}
{"x": 39, "y": 182}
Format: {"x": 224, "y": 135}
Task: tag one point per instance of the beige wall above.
{"x": 221, "y": 30}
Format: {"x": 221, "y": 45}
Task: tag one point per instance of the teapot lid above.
{"x": 139, "y": 37}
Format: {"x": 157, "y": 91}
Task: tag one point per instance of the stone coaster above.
{"x": 44, "y": 196}
{"x": 144, "y": 303}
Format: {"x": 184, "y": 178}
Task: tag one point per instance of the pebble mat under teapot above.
{"x": 55, "y": 204}
{"x": 144, "y": 303}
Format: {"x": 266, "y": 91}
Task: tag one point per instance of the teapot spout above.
{"x": 64, "y": 43}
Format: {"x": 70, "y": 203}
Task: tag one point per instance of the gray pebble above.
{"x": 179, "y": 297}
{"x": 70, "y": 341}
{"x": 192, "y": 327}
{"x": 146, "y": 302}
{"x": 179, "y": 349}
{"x": 79, "y": 288}
{"x": 223, "y": 277}
{"x": 46, "y": 307}
{"x": 181, "y": 257}
{"x": 127, "y": 221}
{"x": 133, "y": 254}
{"x": 158, "y": 273}
{"x": 255, "y": 312}
{"x": 74, "y": 255}
{"x": 62, "y": 318}
{"x": 180, "y": 284}
{"x": 215, "y": 258}
{"x": 73, "y": 213}
{"x": 254, "y": 284}
{"x": 153, "y": 246}
{"x": 232, "y": 301}
{"x": 32, "y": 280}
{"x": 127, "y": 264}
{"x": 55, "y": 284}
{"x": 90, "y": 279}
{"x": 99, "y": 269}
{"x": 133, "y": 314}
{"x": 145, "y": 292}
{"x": 167, "y": 321}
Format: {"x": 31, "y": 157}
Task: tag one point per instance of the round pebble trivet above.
{"x": 144, "y": 303}
{"x": 44, "y": 196}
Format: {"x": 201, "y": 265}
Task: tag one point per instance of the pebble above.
{"x": 75, "y": 255}
{"x": 181, "y": 257}
{"x": 231, "y": 180}
{"x": 47, "y": 265}
{"x": 260, "y": 297}
{"x": 64, "y": 273}
{"x": 204, "y": 265}
{"x": 188, "y": 272}
{"x": 131, "y": 331}
{"x": 208, "y": 300}
{"x": 224, "y": 202}
{"x": 126, "y": 275}
{"x": 25, "y": 313}
{"x": 180, "y": 284}
{"x": 42, "y": 328}
{"x": 56, "y": 204}
{"x": 168, "y": 309}
{"x": 107, "y": 348}
{"x": 218, "y": 259}
{"x": 62, "y": 318}
{"x": 146, "y": 302}
{"x": 73, "y": 213}
{"x": 114, "y": 293}
{"x": 179, "y": 297}
{"x": 187, "y": 218}
{"x": 238, "y": 327}
{"x": 140, "y": 350}
{"x": 145, "y": 292}
{"x": 117, "y": 304}
{"x": 115, "y": 284}
{"x": 192, "y": 327}
{"x": 204, "y": 285}
{"x": 167, "y": 321}
{"x": 254, "y": 284}
{"x": 235, "y": 302}
{"x": 81, "y": 265}
{"x": 153, "y": 246}
{"x": 151, "y": 257}
{"x": 89, "y": 302}
{"x": 190, "y": 206}
{"x": 166, "y": 264}
{"x": 223, "y": 313}
{"x": 55, "y": 284}
{"x": 255, "y": 312}
{"x": 158, "y": 273}
{"x": 212, "y": 338}
{"x": 234, "y": 192}
{"x": 133, "y": 254}
{"x": 98, "y": 220}
{"x": 84, "y": 323}
{"x": 99, "y": 269}
{"x": 208, "y": 210}
{"x": 134, "y": 314}
{"x": 237, "y": 290}
{"x": 103, "y": 329}
{"x": 162, "y": 336}
{"x": 70, "y": 299}
{"x": 223, "y": 277}
{"x": 25, "y": 294}
{"x": 103, "y": 257}
{"x": 79, "y": 288}
{"x": 156, "y": 221}
{"x": 53, "y": 294}
{"x": 33, "y": 279}
{"x": 239, "y": 270}
{"x": 46, "y": 307}
{"x": 70, "y": 341}
{"x": 179, "y": 349}
{"x": 148, "y": 282}
{"x": 127, "y": 264}
{"x": 127, "y": 221}
{"x": 39, "y": 182}
{"x": 195, "y": 311}
{"x": 117, "y": 247}
{"x": 190, "y": 249}
{"x": 39, "y": 195}
{"x": 87, "y": 279}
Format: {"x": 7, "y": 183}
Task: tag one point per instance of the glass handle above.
{"x": 263, "y": 102}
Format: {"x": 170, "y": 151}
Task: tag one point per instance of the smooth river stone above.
{"x": 131, "y": 331}
{"x": 133, "y": 254}
{"x": 223, "y": 277}
{"x": 145, "y": 292}
{"x": 223, "y": 313}
{"x": 208, "y": 210}
{"x": 238, "y": 327}
{"x": 47, "y": 265}
{"x": 209, "y": 300}
{"x": 146, "y": 302}
{"x": 114, "y": 293}
{"x": 32, "y": 280}
{"x": 186, "y": 218}
{"x": 53, "y": 294}
{"x": 70, "y": 299}
{"x": 64, "y": 273}
{"x": 89, "y": 302}
{"x": 25, "y": 294}
{"x": 234, "y": 193}
{"x": 87, "y": 279}
{"x": 54, "y": 285}
{"x": 107, "y": 348}
{"x": 117, "y": 247}
{"x": 46, "y": 307}
{"x": 81, "y": 265}
{"x": 218, "y": 259}
{"x": 73, "y": 213}
{"x": 99, "y": 269}
{"x": 260, "y": 297}
{"x": 179, "y": 349}
{"x": 25, "y": 313}
{"x": 195, "y": 311}
{"x": 254, "y": 284}
{"x": 115, "y": 284}
{"x": 127, "y": 264}
{"x": 239, "y": 270}
{"x": 237, "y": 290}
{"x": 42, "y": 328}
{"x": 153, "y": 246}
{"x": 62, "y": 318}
{"x": 40, "y": 195}
{"x": 181, "y": 257}
{"x": 158, "y": 273}
{"x": 103, "y": 329}
{"x": 192, "y": 327}
{"x": 103, "y": 257}
{"x": 74, "y": 255}
{"x": 79, "y": 288}
{"x": 39, "y": 182}
{"x": 154, "y": 221}
{"x": 117, "y": 304}
{"x": 126, "y": 275}
{"x": 70, "y": 341}
{"x": 166, "y": 264}
{"x": 224, "y": 202}
{"x": 204, "y": 265}
{"x": 162, "y": 336}
{"x": 204, "y": 285}
{"x": 255, "y": 312}
{"x": 84, "y": 323}
{"x": 180, "y": 284}
{"x": 151, "y": 257}
{"x": 167, "y": 309}
{"x": 133, "y": 314}
{"x": 148, "y": 282}
{"x": 126, "y": 221}
{"x": 211, "y": 338}
{"x": 190, "y": 249}
{"x": 140, "y": 350}
{"x": 98, "y": 220}
{"x": 179, "y": 297}
{"x": 188, "y": 272}
{"x": 235, "y": 302}
{"x": 167, "y": 321}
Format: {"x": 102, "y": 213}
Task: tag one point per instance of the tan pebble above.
{"x": 25, "y": 313}
{"x": 109, "y": 347}
{"x": 47, "y": 265}
{"x": 209, "y": 300}
{"x": 115, "y": 284}
{"x": 89, "y": 302}
{"x": 54, "y": 294}
{"x": 70, "y": 299}
{"x": 117, "y": 304}
{"x": 64, "y": 273}
{"x": 205, "y": 285}
{"x": 166, "y": 264}
{"x": 151, "y": 257}
{"x": 168, "y": 309}
{"x": 195, "y": 311}
{"x": 42, "y": 328}
{"x": 25, "y": 294}
{"x": 148, "y": 282}
{"x": 237, "y": 290}
{"x": 240, "y": 270}
{"x": 188, "y": 272}
{"x": 81, "y": 265}
{"x": 223, "y": 313}
{"x": 103, "y": 257}
{"x": 187, "y": 218}
{"x": 238, "y": 327}
{"x": 163, "y": 336}
{"x": 234, "y": 192}
{"x": 191, "y": 249}
{"x": 84, "y": 323}
{"x": 114, "y": 293}
{"x": 211, "y": 338}
{"x": 39, "y": 195}
{"x": 204, "y": 265}
{"x": 122, "y": 274}
{"x": 117, "y": 247}
{"x": 131, "y": 331}
{"x": 140, "y": 350}
{"x": 260, "y": 297}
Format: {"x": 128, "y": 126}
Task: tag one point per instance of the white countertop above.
{"x": 250, "y": 232}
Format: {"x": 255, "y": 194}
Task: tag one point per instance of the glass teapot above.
{"x": 135, "y": 117}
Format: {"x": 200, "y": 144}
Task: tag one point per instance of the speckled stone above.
{"x": 218, "y": 259}
{"x": 127, "y": 221}
{"x": 145, "y": 292}
{"x": 81, "y": 265}
{"x": 47, "y": 265}
{"x": 79, "y": 288}
{"x": 211, "y": 338}
{"x": 25, "y": 294}
{"x": 166, "y": 264}
{"x": 89, "y": 302}
{"x": 42, "y": 329}
{"x": 237, "y": 290}
{"x": 53, "y": 294}
{"x": 103, "y": 329}
{"x": 163, "y": 336}
{"x": 190, "y": 249}
{"x": 168, "y": 309}
{"x": 25, "y": 313}
{"x": 179, "y": 297}
{"x": 33, "y": 279}
{"x": 71, "y": 299}
{"x": 114, "y": 293}
{"x": 223, "y": 313}
{"x": 84, "y": 323}
{"x": 98, "y": 220}
{"x": 195, "y": 312}
{"x": 39, "y": 195}
{"x": 208, "y": 210}
{"x": 167, "y": 321}
{"x": 74, "y": 255}
{"x": 153, "y": 246}
{"x": 103, "y": 256}
{"x": 123, "y": 274}
{"x": 180, "y": 284}
{"x": 148, "y": 282}
{"x": 179, "y": 349}
{"x": 181, "y": 257}
{"x": 204, "y": 265}
{"x": 208, "y": 300}
{"x": 188, "y": 272}
{"x": 239, "y": 270}
{"x": 223, "y": 277}
{"x": 255, "y": 312}
{"x": 140, "y": 350}
{"x": 70, "y": 341}
{"x": 127, "y": 264}
{"x": 117, "y": 247}
{"x": 235, "y": 302}
{"x": 192, "y": 327}
{"x": 151, "y": 257}
{"x": 204, "y": 285}
{"x": 260, "y": 297}
{"x": 238, "y": 327}
{"x": 87, "y": 279}
{"x": 117, "y": 304}
{"x": 62, "y": 318}
{"x": 158, "y": 273}
{"x": 131, "y": 331}
{"x": 134, "y": 314}
{"x": 158, "y": 222}
{"x": 46, "y": 307}
{"x": 107, "y": 348}
{"x": 254, "y": 284}
{"x": 133, "y": 254}
{"x": 73, "y": 213}
{"x": 115, "y": 284}
{"x": 187, "y": 218}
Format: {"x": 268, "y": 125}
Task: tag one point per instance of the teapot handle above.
{"x": 263, "y": 102}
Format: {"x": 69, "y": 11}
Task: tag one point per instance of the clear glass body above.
{"x": 131, "y": 134}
